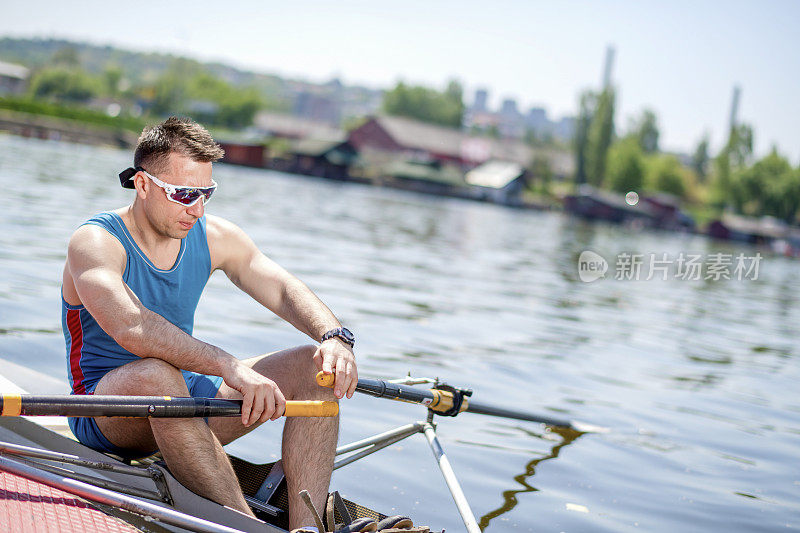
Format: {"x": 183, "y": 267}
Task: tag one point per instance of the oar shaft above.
{"x": 386, "y": 389}
{"x": 440, "y": 400}
{"x": 79, "y": 405}
{"x": 482, "y": 409}
{"x": 431, "y": 398}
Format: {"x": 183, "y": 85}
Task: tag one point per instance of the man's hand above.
{"x": 262, "y": 400}
{"x": 335, "y": 357}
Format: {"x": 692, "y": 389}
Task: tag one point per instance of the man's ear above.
{"x": 140, "y": 183}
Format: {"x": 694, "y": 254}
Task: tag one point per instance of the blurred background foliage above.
{"x": 126, "y": 90}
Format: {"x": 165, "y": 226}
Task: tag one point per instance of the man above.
{"x": 132, "y": 281}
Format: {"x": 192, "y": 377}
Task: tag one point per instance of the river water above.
{"x": 697, "y": 379}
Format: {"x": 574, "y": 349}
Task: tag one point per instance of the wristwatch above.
{"x": 344, "y": 334}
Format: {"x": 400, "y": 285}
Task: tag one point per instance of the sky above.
{"x": 679, "y": 58}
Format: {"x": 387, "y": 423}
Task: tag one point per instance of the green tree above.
{"x": 645, "y": 128}
{"x": 586, "y": 107}
{"x": 239, "y": 108}
{"x": 769, "y": 187}
{"x": 626, "y": 166}
{"x": 169, "y": 94}
{"x": 544, "y": 139}
{"x": 66, "y": 56}
{"x": 787, "y": 205}
{"x": 455, "y": 93}
{"x": 700, "y": 159}
{"x": 666, "y": 174}
{"x": 541, "y": 173}
{"x": 741, "y": 145}
{"x": 68, "y": 85}
{"x": 734, "y": 156}
{"x": 601, "y": 133}
{"x": 189, "y": 89}
{"x": 112, "y": 76}
{"x": 425, "y": 104}
{"x": 721, "y": 192}
{"x": 231, "y": 107}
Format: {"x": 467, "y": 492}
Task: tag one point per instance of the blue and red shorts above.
{"x": 86, "y": 431}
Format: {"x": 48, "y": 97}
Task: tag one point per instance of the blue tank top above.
{"x": 173, "y": 294}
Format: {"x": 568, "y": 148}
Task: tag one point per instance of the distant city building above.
{"x": 331, "y": 102}
{"x": 481, "y": 100}
{"x": 564, "y": 129}
{"x": 509, "y": 123}
{"x": 360, "y": 101}
{"x": 509, "y": 108}
{"x": 13, "y": 78}
{"x": 512, "y": 124}
{"x": 536, "y": 120}
{"x": 317, "y": 107}
{"x": 335, "y": 85}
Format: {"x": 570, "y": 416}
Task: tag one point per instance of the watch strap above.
{"x": 340, "y": 333}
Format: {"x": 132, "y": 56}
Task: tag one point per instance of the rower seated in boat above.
{"x": 131, "y": 283}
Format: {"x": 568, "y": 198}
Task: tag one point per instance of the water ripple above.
{"x": 696, "y": 379}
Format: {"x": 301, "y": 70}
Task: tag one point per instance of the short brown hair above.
{"x": 176, "y": 134}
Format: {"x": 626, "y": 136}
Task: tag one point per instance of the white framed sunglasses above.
{"x": 180, "y": 194}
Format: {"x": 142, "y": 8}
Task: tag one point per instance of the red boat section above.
{"x": 28, "y": 506}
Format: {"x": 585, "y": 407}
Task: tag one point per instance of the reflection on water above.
{"x": 510, "y": 500}
{"x": 697, "y": 380}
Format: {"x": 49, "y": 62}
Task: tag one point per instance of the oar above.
{"x": 442, "y": 401}
{"x": 143, "y": 406}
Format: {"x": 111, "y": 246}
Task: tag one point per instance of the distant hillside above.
{"x": 37, "y": 53}
{"x": 281, "y": 92}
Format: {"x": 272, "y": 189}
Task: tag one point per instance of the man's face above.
{"x": 169, "y": 218}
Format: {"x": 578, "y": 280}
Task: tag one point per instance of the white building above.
{"x": 13, "y": 78}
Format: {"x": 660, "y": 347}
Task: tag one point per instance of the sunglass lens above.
{"x": 190, "y": 195}
{"x": 186, "y": 196}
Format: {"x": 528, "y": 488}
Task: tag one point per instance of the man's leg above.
{"x": 194, "y": 455}
{"x": 309, "y": 444}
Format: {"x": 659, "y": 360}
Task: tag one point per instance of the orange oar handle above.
{"x": 325, "y": 380}
{"x": 311, "y": 408}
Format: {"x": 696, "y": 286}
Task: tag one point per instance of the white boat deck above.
{"x": 53, "y": 423}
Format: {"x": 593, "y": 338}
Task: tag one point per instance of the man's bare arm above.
{"x": 267, "y": 282}
{"x": 96, "y": 261}
{"x": 236, "y": 254}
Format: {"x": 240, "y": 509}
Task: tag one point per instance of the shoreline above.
{"x": 43, "y": 127}
{"x": 46, "y": 127}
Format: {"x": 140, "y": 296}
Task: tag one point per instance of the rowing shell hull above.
{"x": 27, "y": 433}
{"x": 53, "y": 434}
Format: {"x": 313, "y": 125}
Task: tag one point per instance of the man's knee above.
{"x": 303, "y": 374}
{"x": 149, "y": 376}
{"x": 305, "y": 354}
{"x": 307, "y": 375}
{"x": 305, "y": 368}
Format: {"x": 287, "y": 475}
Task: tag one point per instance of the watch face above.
{"x": 348, "y": 335}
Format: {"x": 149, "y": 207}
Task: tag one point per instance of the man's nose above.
{"x": 196, "y": 209}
